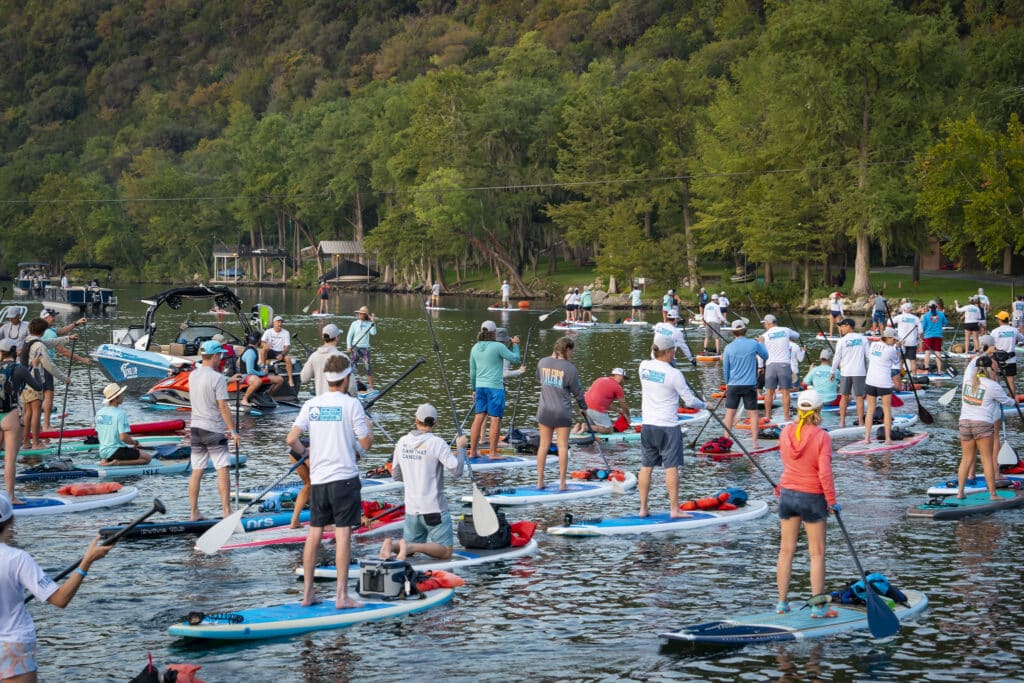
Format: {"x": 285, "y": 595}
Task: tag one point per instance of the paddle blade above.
{"x": 617, "y": 487}
{"x": 1007, "y": 456}
{"x": 882, "y": 621}
{"x": 924, "y": 415}
{"x": 485, "y": 520}
{"x": 214, "y": 538}
{"x": 947, "y": 397}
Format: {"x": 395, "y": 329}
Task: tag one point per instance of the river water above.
{"x": 581, "y": 609}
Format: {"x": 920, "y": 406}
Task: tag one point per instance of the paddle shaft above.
{"x": 831, "y": 347}
{"x": 745, "y": 451}
{"x": 111, "y": 540}
{"x": 922, "y": 412}
{"x": 881, "y": 620}
{"x": 590, "y": 428}
{"x": 519, "y": 388}
{"x": 305, "y": 347}
{"x": 88, "y": 370}
{"x": 717, "y": 333}
{"x": 305, "y": 309}
{"x": 238, "y": 465}
{"x": 793, "y": 323}
{"x": 693, "y": 444}
{"x": 753, "y": 306}
{"x": 549, "y": 313}
{"x": 419, "y": 361}
{"x": 67, "y": 390}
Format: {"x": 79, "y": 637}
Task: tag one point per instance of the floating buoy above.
{"x": 524, "y": 304}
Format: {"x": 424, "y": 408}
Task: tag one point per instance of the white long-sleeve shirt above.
{"x": 850, "y": 355}
{"x": 908, "y": 329}
{"x": 776, "y": 340}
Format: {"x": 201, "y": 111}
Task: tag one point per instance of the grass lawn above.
{"x": 934, "y": 286}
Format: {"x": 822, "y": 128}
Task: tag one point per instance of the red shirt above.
{"x": 602, "y": 393}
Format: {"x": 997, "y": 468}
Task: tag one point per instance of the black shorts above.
{"x": 734, "y": 393}
{"x": 910, "y": 352}
{"x": 1009, "y": 369}
{"x": 972, "y": 327}
{"x": 275, "y": 355}
{"x": 870, "y": 390}
{"x": 336, "y": 502}
{"x": 47, "y": 381}
{"x": 125, "y": 453}
{"x": 809, "y": 507}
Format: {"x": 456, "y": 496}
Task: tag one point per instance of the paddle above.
{"x": 743, "y": 448}
{"x": 693, "y": 444}
{"x": 305, "y": 347}
{"x": 214, "y": 538}
{"x": 922, "y": 412}
{"x": 549, "y": 314}
{"x": 382, "y": 514}
{"x": 882, "y": 622}
{"x": 513, "y": 433}
{"x": 485, "y": 520}
{"x": 1006, "y": 456}
{"x": 67, "y": 390}
{"x": 947, "y": 397}
{"x": 238, "y": 465}
{"x": 824, "y": 336}
{"x": 305, "y": 309}
{"x": 419, "y": 361}
{"x": 753, "y": 306}
{"x": 616, "y": 484}
{"x": 88, "y": 370}
{"x": 956, "y": 331}
{"x": 111, "y": 540}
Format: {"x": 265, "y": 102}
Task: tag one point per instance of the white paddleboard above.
{"x": 58, "y": 505}
{"x": 575, "y": 489}
{"x": 633, "y": 524}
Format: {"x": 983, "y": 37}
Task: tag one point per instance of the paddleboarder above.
{"x": 435, "y": 295}
{"x": 277, "y": 342}
{"x": 19, "y": 572}
{"x": 661, "y": 440}
{"x": 821, "y": 380}
{"x": 669, "y": 329}
{"x": 117, "y": 445}
{"x": 1007, "y": 337}
{"x": 421, "y": 460}
{"x": 878, "y": 382}
{"x": 878, "y": 314}
{"x": 357, "y": 342}
{"x": 1018, "y": 312}
{"x": 982, "y": 396}
{"x": 559, "y": 383}
{"x": 15, "y": 377}
{"x": 909, "y": 331}
{"x": 932, "y": 322}
{"x": 33, "y": 353}
{"x": 713, "y": 321}
{"x": 210, "y": 428}
{"x": 50, "y": 337}
{"x": 599, "y": 397}
{"x": 835, "y": 311}
{"x": 636, "y": 303}
{"x": 972, "y": 322}
{"x": 15, "y": 328}
{"x": 807, "y": 494}
{"x": 587, "y": 304}
{"x": 338, "y": 431}
{"x": 506, "y": 293}
{"x": 739, "y": 364}
{"x": 253, "y": 373}
{"x": 324, "y": 292}
{"x": 778, "y": 373}
{"x": 313, "y": 368}
{"x": 850, "y": 366}
{"x": 485, "y": 377}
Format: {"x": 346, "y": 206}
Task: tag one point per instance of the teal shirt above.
{"x": 50, "y": 333}
{"x": 586, "y": 299}
{"x": 485, "y": 364}
{"x": 817, "y": 379}
{"x": 111, "y": 423}
{"x": 358, "y": 335}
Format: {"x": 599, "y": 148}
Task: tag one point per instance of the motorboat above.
{"x": 89, "y": 296}
{"x": 33, "y": 278}
{"x": 133, "y": 358}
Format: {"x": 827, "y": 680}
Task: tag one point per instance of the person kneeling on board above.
{"x": 599, "y": 397}
{"x": 117, "y": 446}
{"x": 421, "y": 459}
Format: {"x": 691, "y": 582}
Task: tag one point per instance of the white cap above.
{"x": 809, "y": 400}
{"x": 331, "y": 331}
{"x": 721, "y": 294}
{"x": 769, "y": 319}
{"x": 932, "y": 303}
{"x": 426, "y": 411}
{"x": 8, "y": 345}
{"x": 276, "y": 318}
{"x": 714, "y": 296}
{"x": 6, "y": 511}
{"x": 219, "y": 337}
{"x": 826, "y": 354}
{"x": 888, "y": 333}
{"x": 618, "y": 371}
{"x": 47, "y": 313}
{"x": 13, "y": 312}
{"x": 738, "y": 325}
{"x": 664, "y": 342}
{"x": 907, "y": 306}
{"x": 673, "y": 313}
{"x": 489, "y": 326}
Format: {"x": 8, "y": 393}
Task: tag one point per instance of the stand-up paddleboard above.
{"x": 763, "y": 446}
{"x": 157, "y": 529}
{"x": 662, "y": 522}
{"x": 369, "y": 395}
{"x": 285, "y": 535}
{"x": 157, "y": 427}
{"x": 951, "y": 507}
{"x": 933, "y": 377}
{"x": 797, "y": 624}
{"x": 58, "y": 505}
{"x": 708, "y": 357}
{"x": 573, "y": 326}
{"x": 80, "y": 447}
{"x": 321, "y": 315}
{"x": 292, "y": 618}
{"x": 526, "y": 495}
{"x": 852, "y": 408}
{"x": 507, "y": 309}
{"x": 501, "y": 462}
{"x": 154, "y": 466}
{"x": 370, "y": 488}
{"x": 861, "y": 448}
{"x": 827, "y": 337}
{"x": 682, "y": 419}
{"x": 640, "y": 323}
{"x": 584, "y": 438}
{"x": 461, "y": 557}
{"x": 976, "y": 485}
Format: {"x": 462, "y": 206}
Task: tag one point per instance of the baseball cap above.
{"x": 47, "y": 313}
{"x": 847, "y": 321}
{"x": 6, "y": 511}
{"x": 489, "y": 326}
{"x": 714, "y": 296}
{"x": 425, "y": 412}
{"x": 738, "y": 325}
{"x": 826, "y": 354}
{"x": 331, "y": 331}
{"x": 211, "y": 347}
{"x": 1002, "y": 315}
{"x": 219, "y": 337}
{"x": 501, "y": 335}
{"x": 769, "y": 319}
{"x": 907, "y": 306}
{"x": 932, "y": 303}
{"x": 8, "y": 345}
{"x": 987, "y": 340}
{"x": 277, "y": 317}
{"x": 664, "y": 342}
{"x": 618, "y": 371}
{"x": 673, "y": 313}
{"x": 13, "y": 312}
{"x": 888, "y": 333}
{"x": 809, "y": 400}
{"x": 721, "y": 294}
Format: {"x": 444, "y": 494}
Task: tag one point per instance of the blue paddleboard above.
{"x": 633, "y": 524}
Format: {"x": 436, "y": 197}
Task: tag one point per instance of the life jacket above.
{"x": 722, "y": 444}
{"x": 719, "y": 501}
{"x": 522, "y": 532}
{"x": 598, "y": 474}
{"x": 621, "y": 424}
{"x": 89, "y": 489}
{"x": 854, "y": 593}
{"x": 437, "y": 578}
{"x": 380, "y": 471}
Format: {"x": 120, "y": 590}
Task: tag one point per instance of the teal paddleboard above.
{"x": 951, "y": 507}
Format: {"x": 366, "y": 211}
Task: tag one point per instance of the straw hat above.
{"x": 112, "y": 391}
{"x": 364, "y": 310}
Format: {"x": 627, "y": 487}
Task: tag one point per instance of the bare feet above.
{"x": 644, "y": 513}
{"x": 540, "y": 484}
{"x": 679, "y": 514}
{"x": 17, "y": 501}
{"x": 562, "y": 486}
{"x": 197, "y": 517}
{"x": 310, "y": 600}
{"x": 385, "y": 549}
{"x": 347, "y": 603}
{"x": 403, "y": 550}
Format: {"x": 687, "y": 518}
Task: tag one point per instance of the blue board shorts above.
{"x": 661, "y": 446}
{"x": 490, "y": 401}
{"x": 809, "y": 507}
{"x": 418, "y": 531}
{"x": 878, "y": 317}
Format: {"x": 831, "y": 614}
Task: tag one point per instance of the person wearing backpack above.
{"x": 15, "y": 377}
{"x": 33, "y": 354}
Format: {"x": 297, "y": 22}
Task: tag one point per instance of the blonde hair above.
{"x": 812, "y": 417}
